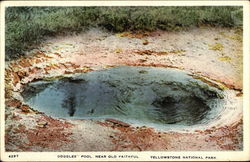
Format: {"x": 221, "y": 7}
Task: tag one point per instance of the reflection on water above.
{"x": 161, "y": 95}
{"x": 70, "y": 103}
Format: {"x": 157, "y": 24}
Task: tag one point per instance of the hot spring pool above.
{"x": 142, "y": 94}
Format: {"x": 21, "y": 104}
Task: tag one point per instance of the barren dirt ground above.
{"x": 214, "y": 53}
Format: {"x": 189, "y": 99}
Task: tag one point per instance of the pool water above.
{"x": 145, "y": 94}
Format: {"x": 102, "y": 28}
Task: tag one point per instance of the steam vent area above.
{"x": 128, "y": 91}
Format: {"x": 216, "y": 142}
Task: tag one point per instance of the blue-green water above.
{"x": 145, "y": 94}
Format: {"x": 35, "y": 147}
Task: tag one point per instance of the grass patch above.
{"x": 26, "y": 27}
{"x": 224, "y": 58}
{"x": 118, "y": 50}
{"x": 238, "y": 35}
{"x": 216, "y": 47}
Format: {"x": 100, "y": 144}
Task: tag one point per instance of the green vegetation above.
{"x": 27, "y": 26}
{"x": 224, "y": 58}
{"x": 216, "y": 47}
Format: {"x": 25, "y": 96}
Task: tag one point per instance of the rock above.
{"x": 143, "y": 71}
{"x": 56, "y": 53}
{"x": 75, "y": 66}
{"x": 239, "y": 94}
{"x": 21, "y": 74}
{"x": 142, "y": 60}
{"x": 78, "y": 71}
{"x": 42, "y": 124}
{"x": 118, "y": 123}
{"x": 16, "y": 78}
{"x": 67, "y": 72}
{"x": 24, "y": 63}
{"x": 25, "y": 108}
{"x": 34, "y": 70}
{"x": 37, "y": 61}
{"x": 145, "y": 42}
{"x": 13, "y": 103}
{"x": 47, "y": 68}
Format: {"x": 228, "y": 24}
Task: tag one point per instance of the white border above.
{"x": 144, "y": 156}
